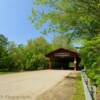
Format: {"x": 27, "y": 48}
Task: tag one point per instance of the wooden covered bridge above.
{"x": 63, "y": 59}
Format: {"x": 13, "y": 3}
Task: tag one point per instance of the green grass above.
{"x": 79, "y": 91}
{"x": 3, "y": 73}
{"x": 98, "y": 90}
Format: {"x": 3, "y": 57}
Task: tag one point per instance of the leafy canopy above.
{"x": 81, "y": 16}
{"x": 90, "y": 55}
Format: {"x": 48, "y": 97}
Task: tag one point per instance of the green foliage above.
{"x": 30, "y": 56}
{"x": 3, "y": 41}
{"x": 3, "y": 52}
{"x": 62, "y": 41}
{"x": 23, "y": 57}
{"x": 81, "y": 16}
{"x": 35, "y": 54}
{"x": 91, "y": 58}
{"x": 39, "y": 62}
{"x": 79, "y": 91}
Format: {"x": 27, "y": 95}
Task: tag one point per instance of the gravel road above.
{"x": 28, "y": 85}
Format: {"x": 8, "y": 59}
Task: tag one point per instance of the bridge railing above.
{"x": 90, "y": 90}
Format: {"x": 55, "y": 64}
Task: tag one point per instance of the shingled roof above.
{"x": 63, "y": 50}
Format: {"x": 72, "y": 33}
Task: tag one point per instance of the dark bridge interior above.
{"x": 63, "y": 59}
{"x": 63, "y": 63}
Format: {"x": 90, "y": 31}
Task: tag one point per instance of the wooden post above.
{"x": 62, "y": 67}
{"x": 50, "y": 65}
{"x": 75, "y": 63}
{"x": 94, "y": 92}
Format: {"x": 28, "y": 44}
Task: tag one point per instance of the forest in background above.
{"x": 30, "y": 56}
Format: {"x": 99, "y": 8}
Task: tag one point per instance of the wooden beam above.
{"x": 50, "y": 65}
{"x": 75, "y": 63}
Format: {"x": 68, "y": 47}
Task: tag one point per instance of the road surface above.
{"x": 29, "y": 85}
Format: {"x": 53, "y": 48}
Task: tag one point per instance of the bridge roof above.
{"x": 62, "y": 52}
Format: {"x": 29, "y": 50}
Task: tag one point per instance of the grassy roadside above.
{"x": 98, "y": 90}
{"x": 98, "y": 93}
{"x": 4, "y": 73}
{"x": 79, "y": 91}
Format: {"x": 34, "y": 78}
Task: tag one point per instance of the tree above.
{"x": 41, "y": 46}
{"x": 3, "y": 52}
{"x": 91, "y": 59}
{"x": 3, "y": 41}
{"x": 62, "y": 41}
{"x": 11, "y": 63}
{"x": 17, "y": 57}
{"x": 80, "y": 16}
{"x": 35, "y": 53}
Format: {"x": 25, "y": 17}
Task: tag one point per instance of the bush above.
{"x": 91, "y": 59}
{"x": 38, "y": 62}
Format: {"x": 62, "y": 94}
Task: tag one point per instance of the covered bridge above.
{"x": 63, "y": 59}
